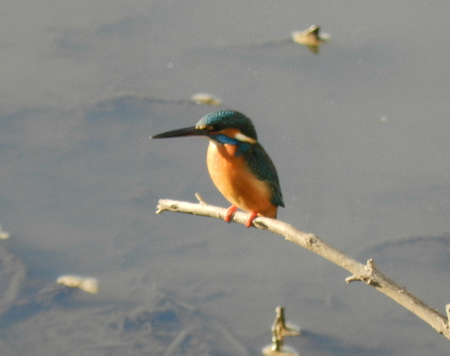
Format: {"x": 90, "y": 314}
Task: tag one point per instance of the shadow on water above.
{"x": 56, "y": 317}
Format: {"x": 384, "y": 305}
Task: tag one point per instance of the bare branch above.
{"x": 368, "y": 273}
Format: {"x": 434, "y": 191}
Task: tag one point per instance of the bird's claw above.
{"x": 250, "y": 219}
{"x": 231, "y": 210}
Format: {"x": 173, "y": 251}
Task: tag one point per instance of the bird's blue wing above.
{"x": 262, "y": 166}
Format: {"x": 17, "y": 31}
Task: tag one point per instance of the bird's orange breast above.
{"x": 236, "y": 182}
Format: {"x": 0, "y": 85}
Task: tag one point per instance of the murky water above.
{"x": 358, "y": 133}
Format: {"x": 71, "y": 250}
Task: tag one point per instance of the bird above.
{"x": 238, "y": 165}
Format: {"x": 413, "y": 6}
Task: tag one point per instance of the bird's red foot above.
{"x": 250, "y": 219}
{"x": 231, "y": 210}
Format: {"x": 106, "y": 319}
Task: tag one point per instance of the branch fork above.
{"x": 369, "y": 275}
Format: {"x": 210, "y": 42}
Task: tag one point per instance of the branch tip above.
{"x": 352, "y": 278}
{"x": 371, "y": 264}
{"x": 200, "y": 199}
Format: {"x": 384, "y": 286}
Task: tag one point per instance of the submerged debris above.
{"x": 279, "y": 332}
{"x": 4, "y": 234}
{"x": 87, "y": 284}
{"x": 205, "y": 99}
{"x": 286, "y": 351}
{"x": 310, "y": 38}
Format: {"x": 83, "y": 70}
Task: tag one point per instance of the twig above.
{"x": 279, "y": 332}
{"x": 368, "y": 273}
{"x": 200, "y": 199}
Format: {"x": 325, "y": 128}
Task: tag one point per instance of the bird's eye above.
{"x": 214, "y": 128}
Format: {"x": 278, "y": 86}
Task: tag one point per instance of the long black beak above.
{"x": 188, "y": 131}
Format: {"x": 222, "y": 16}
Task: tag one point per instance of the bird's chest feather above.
{"x": 223, "y": 164}
{"x": 234, "y": 179}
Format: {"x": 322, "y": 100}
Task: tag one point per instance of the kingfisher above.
{"x": 238, "y": 165}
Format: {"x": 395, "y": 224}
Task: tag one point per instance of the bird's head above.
{"x": 225, "y": 126}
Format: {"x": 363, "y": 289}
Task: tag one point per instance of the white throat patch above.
{"x": 241, "y": 137}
